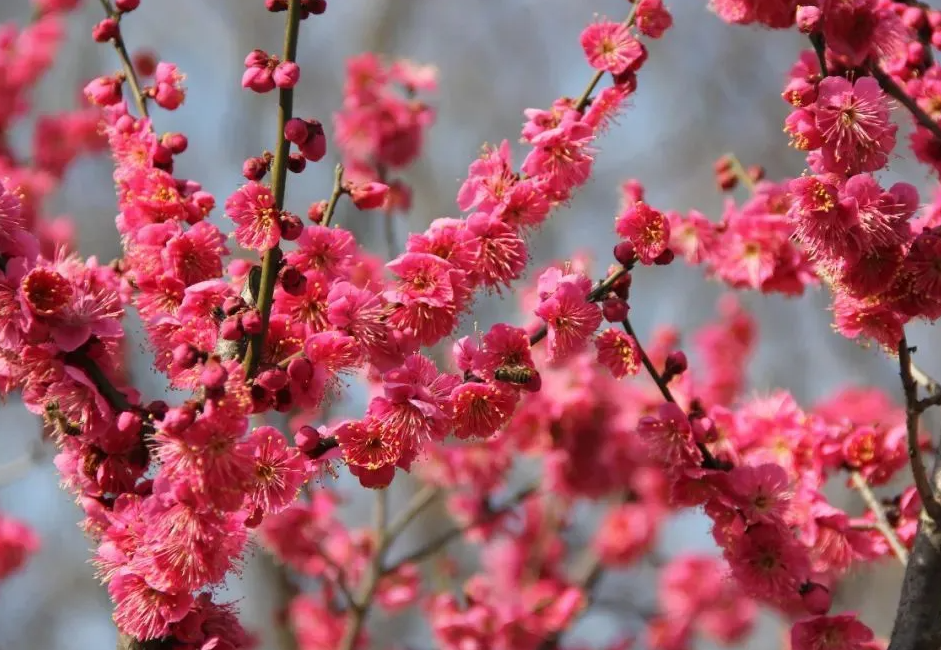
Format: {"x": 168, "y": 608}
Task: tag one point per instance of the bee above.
{"x": 515, "y": 374}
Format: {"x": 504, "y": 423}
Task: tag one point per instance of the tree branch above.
{"x": 115, "y": 398}
{"x": 444, "y": 539}
{"x": 882, "y": 522}
{"x": 918, "y": 617}
{"x": 887, "y": 83}
{"x": 708, "y": 460}
{"x": 359, "y": 607}
{"x": 271, "y": 261}
{"x": 334, "y": 196}
{"x": 139, "y": 99}
{"x": 913, "y": 410}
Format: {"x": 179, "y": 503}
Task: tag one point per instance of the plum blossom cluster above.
{"x": 174, "y": 494}
{"x": 381, "y": 127}
{"x": 170, "y": 492}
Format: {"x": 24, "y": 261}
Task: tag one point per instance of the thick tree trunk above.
{"x": 918, "y": 618}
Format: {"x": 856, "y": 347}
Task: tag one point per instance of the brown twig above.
{"x": 887, "y": 83}
{"x": 140, "y": 100}
{"x": 359, "y": 607}
{"x": 913, "y": 410}
{"x": 271, "y": 261}
{"x": 708, "y": 460}
{"x": 444, "y": 539}
{"x": 740, "y": 172}
{"x": 882, "y": 522}
{"x": 335, "y": 195}
{"x": 115, "y": 398}
{"x": 820, "y": 48}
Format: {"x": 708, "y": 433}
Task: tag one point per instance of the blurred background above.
{"x": 707, "y": 88}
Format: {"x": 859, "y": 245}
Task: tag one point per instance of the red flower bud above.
{"x": 816, "y": 598}
{"x": 106, "y": 30}
{"x": 231, "y": 329}
{"x": 293, "y": 281}
{"x": 296, "y": 131}
{"x": 291, "y": 226}
{"x": 286, "y": 74}
{"x": 296, "y": 163}
{"x": 614, "y": 310}
{"x": 369, "y": 196}
{"x": 624, "y": 253}
{"x": 185, "y": 356}
{"x": 251, "y": 322}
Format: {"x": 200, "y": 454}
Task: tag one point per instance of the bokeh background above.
{"x": 707, "y": 88}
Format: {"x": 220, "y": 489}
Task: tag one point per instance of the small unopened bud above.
{"x": 315, "y": 7}
{"x": 145, "y": 63}
{"x": 125, "y": 6}
{"x": 276, "y": 5}
{"x": 808, "y": 19}
{"x": 286, "y": 75}
{"x": 624, "y": 253}
{"x": 816, "y": 598}
{"x": 232, "y": 305}
{"x": 727, "y": 181}
{"x": 254, "y": 169}
{"x": 676, "y": 364}
{"x": 296, "y": 131}
{"x": 251, "y": 322}
{"x": 106, "y": 30}
{"x": 231, "y": 329}
{"x": 369, "y": 196}
{"x": 665, "y": 258}
{"x": 185, "y": 356}
{"x": 272, "y": 380}
{"x": 213, "y": 375}
{"x": 129, "y": 423}
{"x": 293, "y": 281}
{"x": 316, "y": 211}
{"x": 614, "y": 310}
{"x": 291, "y": 226}
{"x": 307, "y": 438}
{"x": 175, "y": 142}
{"x": 158, "y": 408}
{"x": 300, "y": 371}
{"x": 297, "y": 163}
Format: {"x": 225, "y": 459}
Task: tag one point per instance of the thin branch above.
{"x": 882, "y": 522}
{"x": 271, "y": 262}
{"x": 139, "y": 98}
{"x": 887, "y": 83}
{"x": 820, "y": 47}
{"x": 708, "y": 460}
{"x": 432, "y": 547}
{"x": 334, "y": 196}
{"x": 420, "y": 500}
{"x": 926, "y": 381}
{"x": 115, "y": 398}
{"x": 360, "y": 606}
{"x": 341, "y": 581}
{"x": 913, "y": 411}
{"x": 740, "y": 172}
